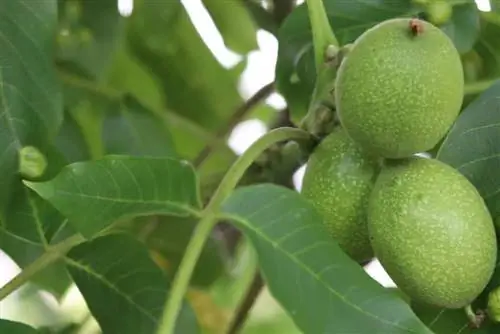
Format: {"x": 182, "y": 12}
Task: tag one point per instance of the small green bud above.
{"x": 494, "y": 305}
{"x": 291, "y": 152}
{"x": 32, "y": 163}
{"x": 331, "y": 52}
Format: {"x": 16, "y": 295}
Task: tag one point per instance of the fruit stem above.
{"x": 323, "y": 35}
{"x": 53, "y": 254}
{"x": 210, "y": 214}
{"x": 469, "y": 312}
{"x": 475, "y": 320}
{"x": 236, "y": 116}
{"x": 327, "y": 56}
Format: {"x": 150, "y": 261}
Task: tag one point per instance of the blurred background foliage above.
{"x": 199, "y": 80}
{"x": 161, "y": 78}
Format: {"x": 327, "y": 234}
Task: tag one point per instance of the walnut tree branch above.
{"x": 247, "y": 303}
{"x": 281, "y": 9}
{"x": 236, "y": 117}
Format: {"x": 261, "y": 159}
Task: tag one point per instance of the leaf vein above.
{"x": 474, "y": 161}
{"x": 309, "y": 270}
{"x": 89, "y": 271}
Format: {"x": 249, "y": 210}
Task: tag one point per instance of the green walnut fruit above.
{"x": 494, "y": 305}
{"x": 400, "y": 88}
{"x": 432, "y": 232}
{"x": 338, "y": 180}
{"x": 439, "y": 12}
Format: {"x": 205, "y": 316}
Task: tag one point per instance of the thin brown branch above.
{"x": 236, "y": 117}
{"x": 282, "y": 8}
{"x": 246, "y": 304}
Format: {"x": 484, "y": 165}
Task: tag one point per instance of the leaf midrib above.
{"x": 187, "y": 208}
{"x": 307, "y": 269}
{"x": 36, "y": 218}
{"x": 111, "y": 286}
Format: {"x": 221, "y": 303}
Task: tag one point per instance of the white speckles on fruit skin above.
{"x": 432, "y": 232}
{"x": 398, "y": 94}
{"x": 338, "y": 181}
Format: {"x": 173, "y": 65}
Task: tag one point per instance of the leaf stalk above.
{"x": 323, "y": 35}
{"x": 236, "y": 117}
{"x": 210, "y": 213}
{"x": 328, "y": 56}
{"x": 53, "y": 254}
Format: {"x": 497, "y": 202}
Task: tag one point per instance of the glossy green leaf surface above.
{"x": 295, "y": 70}
{"x": 34, "y": 220}
{"x": 31, "y": 226}
{"x": 122, "y": 286}
{"x": 471, "y": 146}
{"x": 12, "y": 327}
{"x": 95, "y": 194}
{"x": 169, "y": 237}
{"x": 291, "y": 243}
{"x": 30, "y": 98}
